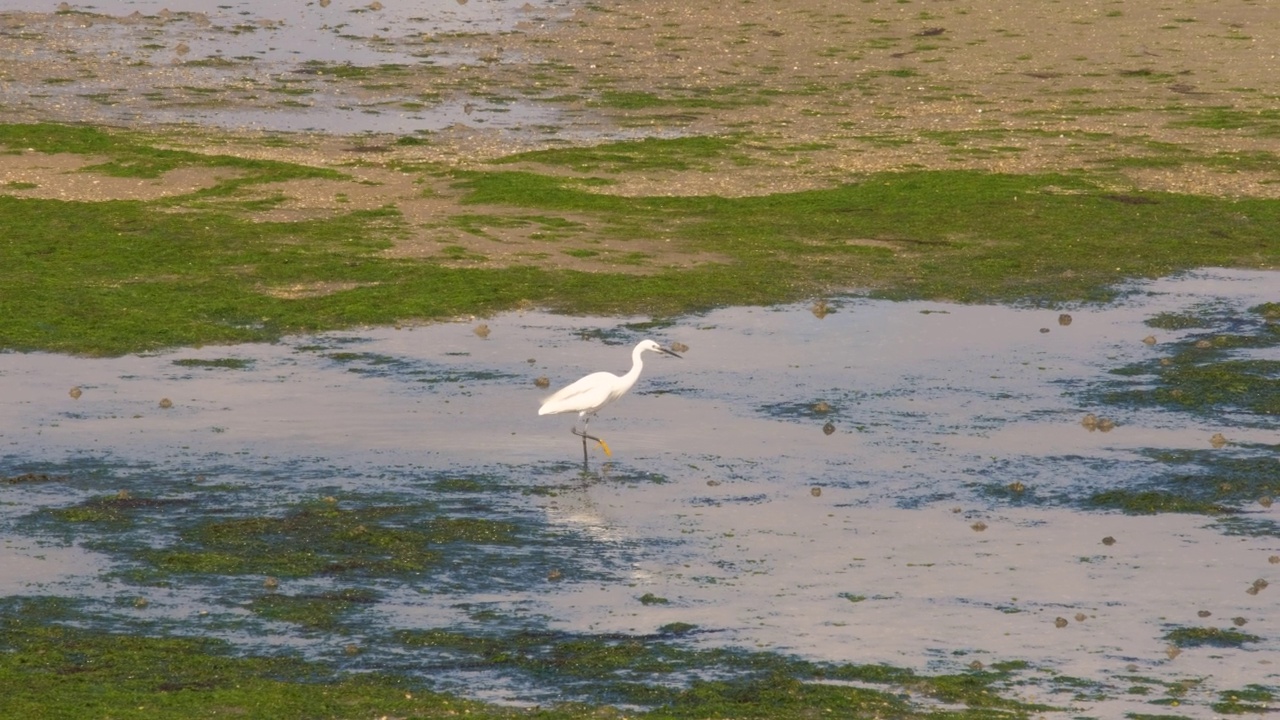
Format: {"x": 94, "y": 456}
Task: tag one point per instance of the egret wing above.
{"x": 586, "y": 395}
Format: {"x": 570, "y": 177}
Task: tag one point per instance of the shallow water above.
{"x": 260, "y": 68}
{"x": 891, "y": 539}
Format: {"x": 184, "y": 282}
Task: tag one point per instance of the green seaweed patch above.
{"x": 52, "y": 671}
{"x": 120, "y": 508}
{"x": 648, "y": 154}
{"x": 1151, "y": 502}
{"x": 318, "y": 611}
{"x": 323, "y": 539}
{"x": 1185, "y": 637}
{"x": 1178, "y": 321}
{"x": 228, "y": 363}
{"x": 1250, "y": 699}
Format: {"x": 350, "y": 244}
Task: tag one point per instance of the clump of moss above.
{"x": 1207, "y": 636}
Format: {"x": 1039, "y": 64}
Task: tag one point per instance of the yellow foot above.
{"x": 603, "y": 446}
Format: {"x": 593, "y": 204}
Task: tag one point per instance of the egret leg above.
{"x": 583, "y": 434}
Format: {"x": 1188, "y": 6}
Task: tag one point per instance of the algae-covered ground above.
{"x": 186, "y": 178}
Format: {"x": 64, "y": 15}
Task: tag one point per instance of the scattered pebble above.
{"x": 679, "y": 347}
{"x": 829, "y": 428}
{"x": 821, "y": 407}
{"x": 351, "y": 649}
{"x": 75, "y": 393}
{"x": 481, "y": 330}
{"x": 1149, "y": 340}
{"x": 1218, "y": 440}
{"x": 713, "y": 483}
{"x": 1204, "y": 344}
{"x": 1166, "y": 362}
{"x": 815, "y": 491}
{"x": 1081, "y": 617}
{"x": 1064, "y": 319}
{"x": 975, "y": 665}
{"x": 1173, "y": 651}
{"x": 1257, "y": 586}
{"x": 1060, "y": 622}
{"x": 1239, "y": 621}
{"x": 820, "y": 309}
{"x": 555, "y": 575}
{"x": 166, "y": 403}
{"x": 1204, "y": 613}
{"x": 542, "y": 382}
{"x": 979, "y": 526}
{"x": 1044, "y": 330}
{"x": 1090, "y": 422}
{"x": 1106, "y": 425}
{"x": 1265, "y": 501}
{"x": 1108, "y": 541}
{"x": 141, "y": 603}
{"x": 1274, "y": 559}
{"x": 1016, "y": 486}
{"x": 271, "y": 583}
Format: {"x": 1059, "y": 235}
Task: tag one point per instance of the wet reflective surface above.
{"x": 943, "y": 520}
{"x": 242, "y": 66}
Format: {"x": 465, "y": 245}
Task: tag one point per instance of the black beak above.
{"x": 668, "y": 352}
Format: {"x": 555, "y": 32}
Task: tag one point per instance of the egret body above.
{"x": 588, "y": 395}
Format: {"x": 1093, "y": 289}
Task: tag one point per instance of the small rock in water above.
{"x": 821, "y": 407}
{"x": 542, "y": 382}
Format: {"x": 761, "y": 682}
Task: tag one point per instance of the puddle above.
{"x": 943, "y": 520}
{"x": 235, "y": 65}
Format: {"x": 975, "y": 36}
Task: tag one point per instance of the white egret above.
{"x": 588, "y": 395}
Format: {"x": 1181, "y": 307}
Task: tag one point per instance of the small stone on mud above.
{"x": 1274, "y": 559}
{"x": 1044, "y": 330}
{"x": 75, "y": 393}
{"x": 542, "y": 382}
{"x": 816, "y": 491}
{"x": 1239, "y": 621}
{"x": 820, "y": 309}
{"x": 1106, "y": 425}
{"x": 375, "y": 6}
{"x": 1218, "y": 440}
{"x": 1108, "y": 541}
{"x": 1060, "y": 622}
{"x": 829, "y": 428}
{"x": 713, "y": 483}
{"x": 979, "y": 526}
{"x": 481, "y": 330}
{"x": 1173, "y": 651}
{"x": 166, "y": 403}
{"x": 1081, "y": 617}
{"x": 1149, "y": 340}
{"x": 1258, "y": 585}
{"x": 679, "y": 347}
{"x": 1064, "y": 319}
{"x": 1204, "y": 613}
{"x": 1090, "y": 422}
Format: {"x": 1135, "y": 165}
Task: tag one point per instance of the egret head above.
{"x": 651, "y": 345}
